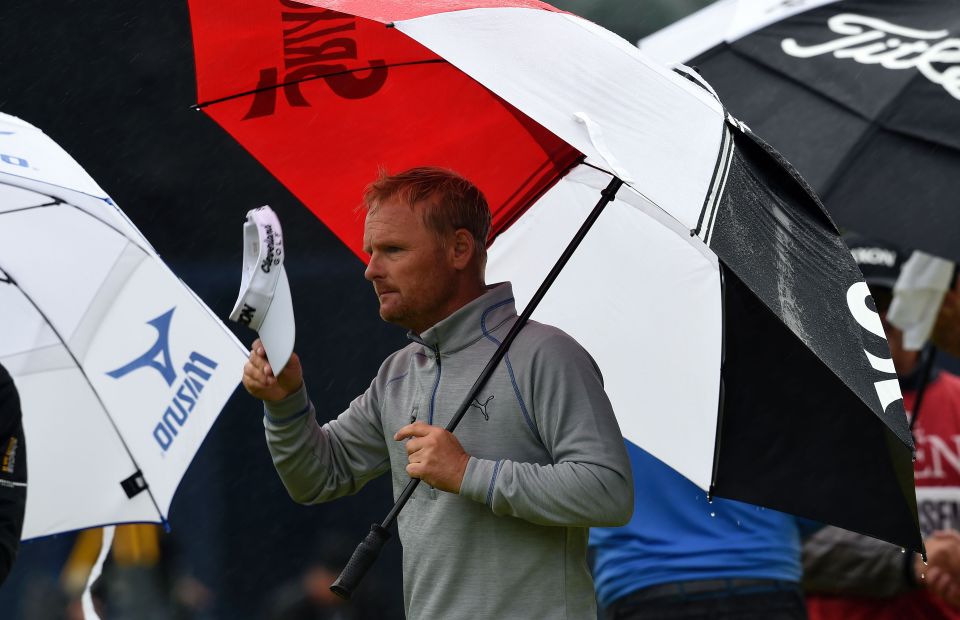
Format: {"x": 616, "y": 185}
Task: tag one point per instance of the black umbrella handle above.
{"x": 360, "y": 562}
{"x": 368, "y": 550}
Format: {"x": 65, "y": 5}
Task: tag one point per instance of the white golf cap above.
{"x": 264, "y": 303}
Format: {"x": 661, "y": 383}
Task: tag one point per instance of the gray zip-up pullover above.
{"x": 547, "y": 462}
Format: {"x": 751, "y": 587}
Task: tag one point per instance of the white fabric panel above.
{"x": 75, "y": 460}
{"x": 74, "y": 251}
{"x": 592, "y": 89}
{"x": 15, "y": 198}
{"x": 721, "y": 22}
{"x": 22, "y": 328}
{"x": 644, "y": 301}
{"x": 139, "y": 399}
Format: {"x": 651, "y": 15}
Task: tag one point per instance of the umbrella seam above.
{"x": 254, "y": 91}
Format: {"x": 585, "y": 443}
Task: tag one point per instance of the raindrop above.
{"x": 902, "y": 550}
{"x": 738, "y": 523}
{"x": 713, "y": 514}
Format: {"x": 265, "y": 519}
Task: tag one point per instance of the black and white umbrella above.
{"x": 862, "y": 96}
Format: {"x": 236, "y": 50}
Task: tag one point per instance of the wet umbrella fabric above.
{"x": 862, "y": 96}
{"x": 121, "y": 369}
{"x": 713, "y": 292}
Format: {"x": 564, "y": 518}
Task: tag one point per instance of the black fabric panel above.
{"x": 775, "y": 106}
{"x": 773, "y": 234}
{"x": 904, "y": 190}
{"x": 796, "y": 439}
{"x": 12, "y": 499}
{"x": 881, "y": 146}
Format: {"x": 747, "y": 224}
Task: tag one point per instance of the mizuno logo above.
{"x": 184, "y": 397}
{"x": 13, "y": 160}
{"x": 157, "y": 356}
{"x": 872, "y": 41}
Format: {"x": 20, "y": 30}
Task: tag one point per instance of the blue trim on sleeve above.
{"x": 286, "y": 420}
{"x": 493, "y": 481}
{"x": 506, "y": 358}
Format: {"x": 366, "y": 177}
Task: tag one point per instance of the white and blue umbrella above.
{"x": 121, "y": 368}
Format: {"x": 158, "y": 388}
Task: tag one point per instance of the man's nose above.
{"x": 373, "y": 270}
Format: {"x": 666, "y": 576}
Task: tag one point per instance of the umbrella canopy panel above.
{"x": 336, "y": 66}
{"x": 785, "y": 265}
{"x": 121, "y": 371}
{"x": 861, "y": 96}
{"x": 642, "y": 299}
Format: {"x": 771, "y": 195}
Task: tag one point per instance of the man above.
{"x": 848, "y": 576}
{"x": 499, "y": 530}
{"x": 13, "y": 473}
{"x": 681, "y": 557}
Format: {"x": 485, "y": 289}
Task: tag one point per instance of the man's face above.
{"x": 409, "y": 267}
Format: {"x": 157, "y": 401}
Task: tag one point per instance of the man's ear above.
{"x": 462, "y": 248}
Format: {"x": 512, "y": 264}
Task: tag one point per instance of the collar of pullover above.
{"x": 471, "y": 322}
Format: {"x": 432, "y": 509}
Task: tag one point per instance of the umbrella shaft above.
{"x": 368, "y": 550}
{"x": 606, "y": 197}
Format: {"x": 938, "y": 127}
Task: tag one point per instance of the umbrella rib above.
{"x": 254, "y": 91}
{"x": 10, "y": 279}
{"x": 56, "y": 201}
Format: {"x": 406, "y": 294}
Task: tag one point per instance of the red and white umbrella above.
{"x": 728, "y": 319}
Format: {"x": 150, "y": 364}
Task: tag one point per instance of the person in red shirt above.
{"x": 848, "y": 576}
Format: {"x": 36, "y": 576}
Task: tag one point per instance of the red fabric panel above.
{"x": 325, "y": 138}
{"x": 386, "y": 11}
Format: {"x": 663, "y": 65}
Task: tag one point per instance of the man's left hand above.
{"x": 434, "y": 455}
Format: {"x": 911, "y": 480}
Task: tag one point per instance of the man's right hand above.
{"x": 259, "y": 380}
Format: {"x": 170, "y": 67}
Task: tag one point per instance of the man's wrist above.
{"x": 287, "y": 407}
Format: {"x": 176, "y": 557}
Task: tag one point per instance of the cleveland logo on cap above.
{"x": 264, "y": 303}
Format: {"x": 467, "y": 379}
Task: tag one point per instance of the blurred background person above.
{"x": 848, "y": 576}
{"x": 308, "y": 595}
{"x": 13, "y": 473}
{"x": 681, "y": 556}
